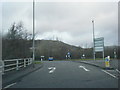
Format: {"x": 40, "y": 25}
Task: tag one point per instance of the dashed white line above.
{"x": 9, "y": 85}
{"x": 109, "y": 74}
{"x": 84, "y": 68}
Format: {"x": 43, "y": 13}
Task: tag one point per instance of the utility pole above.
{"x": 33, "y": 33}
{"x": 115, "y": 54}
{"x": 93, "y": 41}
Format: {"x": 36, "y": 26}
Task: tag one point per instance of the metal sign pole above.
{"x": 103, "y": 49}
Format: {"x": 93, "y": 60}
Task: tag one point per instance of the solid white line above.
{"x": 110, "y": 74}
{"x": 10, "y": 85}
{"x": 84, "y": 68}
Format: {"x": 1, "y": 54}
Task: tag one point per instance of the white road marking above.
{"x": 53, "y": 69}
{"x": 84, "y": 68}
{"x": 117, "y": 70}
{"x": 9, "y": 85}
{"x": 109, "y": 74}
{"x": 50, "y": 68}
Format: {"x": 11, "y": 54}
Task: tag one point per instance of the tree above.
{"x": 15, "y": 42}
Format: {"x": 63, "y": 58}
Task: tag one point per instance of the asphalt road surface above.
{"x": 67, "y": 74}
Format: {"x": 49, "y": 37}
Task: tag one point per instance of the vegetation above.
{"x": 58, "y": 50}
{"x": 17, "y": 43}
{"x": 37, "y": 62}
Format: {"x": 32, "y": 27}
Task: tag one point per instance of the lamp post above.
{"x": 33, "y": 34}
{"x": 115, "y": 54}
{"x": 93, "y": 41}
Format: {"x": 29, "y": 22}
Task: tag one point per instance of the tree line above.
{"x": 17, "y": 43}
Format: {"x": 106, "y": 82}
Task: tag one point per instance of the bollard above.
{"x": 107, "y": 63}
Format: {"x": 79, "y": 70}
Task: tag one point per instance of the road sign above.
{"x": 99, "y": 39}
{"x": 43, "y": 56}
{"x": 50, "y": 58}
{"x": 68, "y": 53}
{"x": 98, "y": 49}
{"x": 68, "y": 56}
{"x": 99, "y": 44}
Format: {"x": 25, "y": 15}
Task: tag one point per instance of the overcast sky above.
{"x": 70, "y": 22}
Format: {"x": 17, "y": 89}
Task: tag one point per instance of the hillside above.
{"x": 19, "y": 48}
{"x": 56, "y": 49}
{"x": 59, "y": 49}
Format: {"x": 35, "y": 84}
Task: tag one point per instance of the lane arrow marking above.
{"x": 84, "y": 68}
{"x": 52, "y": 69}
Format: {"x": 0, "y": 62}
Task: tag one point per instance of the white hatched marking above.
{"x": 117, "y": 70}
{"x": 109, "y": 74}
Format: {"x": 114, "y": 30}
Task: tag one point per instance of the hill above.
{"x": 56, "y": 49}
{"x": 59, "y": 49}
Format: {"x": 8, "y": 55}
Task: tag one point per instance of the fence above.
{"x": 0, "y": 69}
{"x": 15, "y": 64}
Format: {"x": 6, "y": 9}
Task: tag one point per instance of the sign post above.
{"x": 99, "y": 45}
{"x": 42, "y": 58}
{"x": 68, "y": 56}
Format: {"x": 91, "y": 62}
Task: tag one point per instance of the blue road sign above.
{"x": 68, "y": 53}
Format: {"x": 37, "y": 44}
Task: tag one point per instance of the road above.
{"x": 67, "y": 74}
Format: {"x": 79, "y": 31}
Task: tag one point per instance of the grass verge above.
{"x": 37, "y": 62}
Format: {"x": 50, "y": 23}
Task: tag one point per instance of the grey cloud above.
{"x": 15, "y": 12}
{"x": 71, "y": 20}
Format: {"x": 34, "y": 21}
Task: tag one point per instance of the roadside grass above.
{"x": 37, "y": 62}
{"x": 78, "y": 59}
{"x": 90, "y": 59}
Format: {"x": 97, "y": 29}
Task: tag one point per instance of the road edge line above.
{"x": 9, "y": 85}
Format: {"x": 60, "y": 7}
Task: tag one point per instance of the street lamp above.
{"x": 93, "y": 41}
{"x": 115, "y": 54}
{"x": 33, "y": 33}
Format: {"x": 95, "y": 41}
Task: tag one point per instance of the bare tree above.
{"x": 15, "y": 42}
